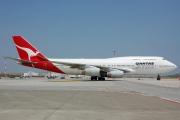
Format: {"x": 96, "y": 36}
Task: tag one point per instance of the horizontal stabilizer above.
{"x": 19, "y": 60}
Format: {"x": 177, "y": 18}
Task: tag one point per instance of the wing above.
{"x": 80, "y": 66}
{"x": 108, "y": 69}
{"x": 72, "y": 65}
{"x": 19, "y": 60}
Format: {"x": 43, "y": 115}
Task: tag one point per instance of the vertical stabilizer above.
{"x": 26, "y": 50}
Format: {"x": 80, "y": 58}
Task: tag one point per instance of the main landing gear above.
{"x": 97, "y": 78}
{"x": 158, "y": 77}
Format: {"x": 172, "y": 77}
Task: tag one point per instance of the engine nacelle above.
{"x": 115, "y": 74}
{"x": 92, "y": 71}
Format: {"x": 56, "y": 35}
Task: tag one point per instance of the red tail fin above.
{"x": 26, "y": 50}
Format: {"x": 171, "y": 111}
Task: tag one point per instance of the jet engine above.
{"x": 91, "y": 71}
{"x": 115, "y": 74}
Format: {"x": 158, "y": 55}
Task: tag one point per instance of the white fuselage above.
{"x": 137, "y": 65}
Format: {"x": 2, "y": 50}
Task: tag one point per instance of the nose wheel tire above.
{"x": 158, "y": 77}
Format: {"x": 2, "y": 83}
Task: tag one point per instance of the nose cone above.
{"x": 173, "y": 66}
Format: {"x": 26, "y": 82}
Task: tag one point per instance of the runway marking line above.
{"x": 170, "y": 100}
{"x": 165, "y": 86}
{"x": 65, "y": 80}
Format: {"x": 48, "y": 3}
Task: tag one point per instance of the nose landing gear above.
{"x": 158, "y": 77}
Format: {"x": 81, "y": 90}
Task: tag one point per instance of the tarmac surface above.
{"x": 117, "y": 99}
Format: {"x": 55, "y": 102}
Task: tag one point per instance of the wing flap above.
{"x": 108, "y": 69}
{"x": 72, "y": 65}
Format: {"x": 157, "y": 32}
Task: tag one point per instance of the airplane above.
{"x": 98, "y": 69}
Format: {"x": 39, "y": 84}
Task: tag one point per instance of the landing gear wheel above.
{"x": 158, "y": 77}
{"x": 94, "y": 78}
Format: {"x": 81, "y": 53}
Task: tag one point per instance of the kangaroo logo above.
{"x": 28, "y": 51}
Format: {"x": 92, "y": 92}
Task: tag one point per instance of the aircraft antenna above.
{"x": 114, "y": 53}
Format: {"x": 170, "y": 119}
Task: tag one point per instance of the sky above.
{"x": 91, "y": 29}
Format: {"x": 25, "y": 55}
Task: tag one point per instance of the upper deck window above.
{"x": 135, "y": 59}
{"x": 149, "y": 59}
